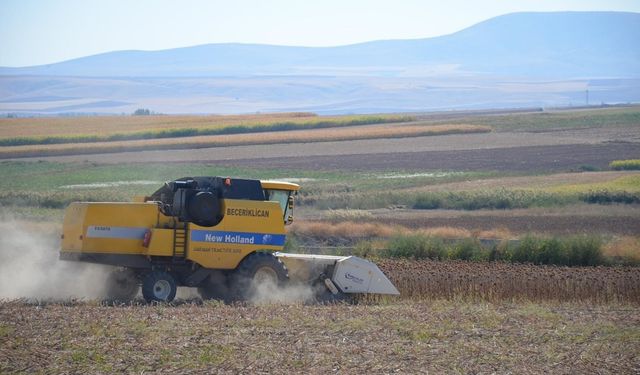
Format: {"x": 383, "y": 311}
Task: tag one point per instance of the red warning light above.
{"x": 146, "y": 239}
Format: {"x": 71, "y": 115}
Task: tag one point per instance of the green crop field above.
{"x": 548, "y": 120}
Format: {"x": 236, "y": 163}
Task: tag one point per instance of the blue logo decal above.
{"x": 238, "y": 237}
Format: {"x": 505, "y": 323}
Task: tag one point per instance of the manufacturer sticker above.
{"x": 353, "y": 278}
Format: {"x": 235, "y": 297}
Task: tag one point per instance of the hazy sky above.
{"x": 34, "y": 32}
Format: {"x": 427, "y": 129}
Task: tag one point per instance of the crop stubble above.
{"x": 412, "y": 337}
{"x": 496, "y": 281}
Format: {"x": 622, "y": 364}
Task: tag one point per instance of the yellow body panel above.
{"x": 247, "y": 226}
{"x": 161, "y": 243}
{"x": 73, "y": 227}
{"x": 108, "y": 228}
{"x": 279, "y": 185}
{"x": 119, "y": 228}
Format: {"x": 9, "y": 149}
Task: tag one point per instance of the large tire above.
{"x": 215, "y": 287}
{"x": 122, "y": 285}
{"x": 159, "y": 286}
{"x": 257, "y": 271}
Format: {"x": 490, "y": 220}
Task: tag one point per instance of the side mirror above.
{"x": 290, "y": 210}
{"x": 290, "y": 202}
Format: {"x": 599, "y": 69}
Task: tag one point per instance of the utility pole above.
{"x": 587, "y": 92}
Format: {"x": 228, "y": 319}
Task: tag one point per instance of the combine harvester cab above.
{"x": 224, "y": 236}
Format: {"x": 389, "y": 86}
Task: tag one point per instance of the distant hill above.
{"x": 516, "y": 50}
{"x": 565, "y": 44}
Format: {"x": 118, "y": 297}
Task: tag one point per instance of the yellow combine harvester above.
{"x": 221, "y": 235}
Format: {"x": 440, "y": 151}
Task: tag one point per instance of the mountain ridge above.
{"x": 570, "y": 44}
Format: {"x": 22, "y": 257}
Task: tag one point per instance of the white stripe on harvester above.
{"x": 101, "y": 231}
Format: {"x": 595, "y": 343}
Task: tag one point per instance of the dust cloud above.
{"x": 30, "y": 269}
{"x": 270, "y": 293}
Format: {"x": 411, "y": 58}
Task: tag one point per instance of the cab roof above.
{"x": 279, "y": 185}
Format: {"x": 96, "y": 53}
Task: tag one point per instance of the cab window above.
{"x": 282, "y": 197}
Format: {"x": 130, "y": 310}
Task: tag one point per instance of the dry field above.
{"x": 384, "y": 131}
{"x": 524, "y": 142}
{"x": 101, "y": 125}
{"x": 624, "y": 221}
{"x": 436, "y": 336}
{"x": 521, "y": 152}
{"x": 549, "y": 158}
{"x": 495, "y": 281}
{"x": 499, "y": 224}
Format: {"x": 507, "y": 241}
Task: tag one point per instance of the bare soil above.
{"x": 514, "y": 159}
{"x": 404, "y": 337}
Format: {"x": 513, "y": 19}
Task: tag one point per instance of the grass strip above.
{"x": 574, "y": 251}
{"x": 632, "y": 164}
{"x": 499, "y": 199}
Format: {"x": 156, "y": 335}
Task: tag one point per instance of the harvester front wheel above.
{"x": 122, "y": 285}
{"x": 259, "y": 272}
{"x": 159, "y": 286}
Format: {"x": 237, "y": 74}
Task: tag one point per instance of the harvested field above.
{"x": 351, "y": 155}
{"x": 409, "y": 337}
{"x": 495, "y": 281}
{"x": 515, "y": 159}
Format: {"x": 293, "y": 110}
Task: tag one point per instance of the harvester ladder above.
{"x": 179, "y": 241}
